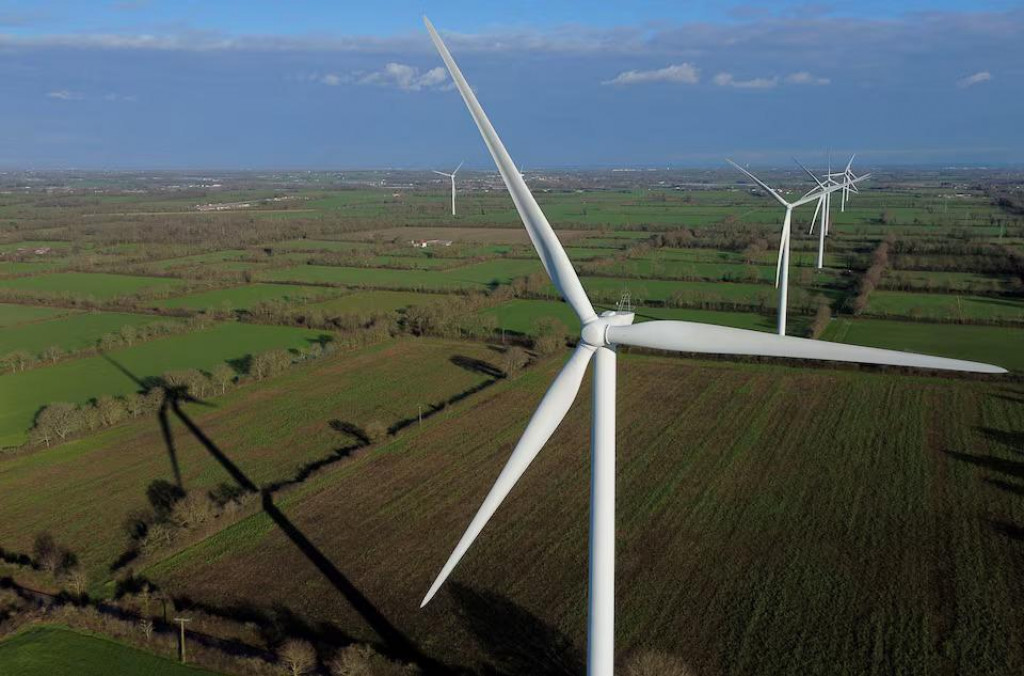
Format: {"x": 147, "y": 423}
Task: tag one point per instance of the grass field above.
{"x": 359, "y": 302}
{"x": 56, "y": 651}
{"x": 371, "y": 277}
{"x": 89, "y": 284}
{"x": 244, "y": 297}
{"x": 992, "y": 344}
{"x": 876, "y": 517}
{"x": 69, "y": 333}
{"x": 521, "y": 316}
{"x": 12, "y": 314}
{"x": 268, "y": 432}
{"x": 941, "y": 306}
{"x": 79, "y": 380}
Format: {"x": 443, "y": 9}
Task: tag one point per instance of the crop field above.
{"x": 852, "y": 510}
{"x": 12, "y": 314}
{"x": 947, "y": 307}
{"x": 994, "y": 344}
{"x": 359, "y": 302}
{"x": 269, "y": 432}
{"x": 244, "y": 297}
{"x": 51, "y": 650}
{"x": 74, "y": 332}
{"x": 89, "y": 284}
{"x": 77, "y": 381}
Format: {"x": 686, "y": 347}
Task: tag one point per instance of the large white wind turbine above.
{"x": 782, "y": 265}
{"x": 452, "y": 177}
{"x": 598, "y": 339}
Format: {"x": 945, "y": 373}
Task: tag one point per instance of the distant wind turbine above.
{"x": 452, "y": 177}
{"x": 848, "y": 175}
{"x": 599, "y": 337}
{"x": 782, "y": 265}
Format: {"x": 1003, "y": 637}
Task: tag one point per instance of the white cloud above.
{"x": 727, "y": 80}
{"x": 332, "y": 80}
{"x": 64, "y": 95}
{"x": 405, "y": 77}
{"x": 971, "y": 80}
{"x": 681, "y": 73}
{"x": 805, "y": 78}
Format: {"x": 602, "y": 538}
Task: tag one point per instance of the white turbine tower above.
{"x": 782, "y": 265}
{"x": 452, "y": 177}
{"x": 598, "y": 339}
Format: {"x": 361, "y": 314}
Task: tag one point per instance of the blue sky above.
{"x": 312, "y": 84}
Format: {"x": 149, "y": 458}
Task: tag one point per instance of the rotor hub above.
{"x": 595, "y": 332}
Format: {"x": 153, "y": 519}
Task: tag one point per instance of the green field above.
{"x": 359, "y": 302}
{"x": 520, "y": 316}
{"x": 22, "y": 268}
{"x": 853, "y": 510}
{"x": 947, "y": 307}
{"x": 89, "y": 284}
{"x": 56, "y": 651}
{"x": 70, "y": 333}
{"x": 269, "y": 432}
{"x": 370, "y": 277}
{"x": 77, "y": 381}
{"x": 991, "y": 344}
{"x": 244, "y": 297}
{"x": 12, "y": 314}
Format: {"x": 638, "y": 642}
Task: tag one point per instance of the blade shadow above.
{"x": 393, "y": 639}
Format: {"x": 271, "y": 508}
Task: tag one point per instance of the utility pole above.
{"x": 421, "y": 414}
{"x": 181, "y": 623}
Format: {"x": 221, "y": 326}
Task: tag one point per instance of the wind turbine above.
{"x": 848, "y": 175}
{"x": 452, "y": 177}
{"x": 782, "y": 265}
{"x": 599, "y": 337}
{"x": 824, "y": 192}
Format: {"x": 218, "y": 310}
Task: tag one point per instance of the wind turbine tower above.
{"x": 599, "y": 338}
{"x": 452, "y": 177}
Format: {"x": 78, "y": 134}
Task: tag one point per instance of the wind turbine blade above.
{"x": 542, "y": 425}
{"x": 441, "y": 173}
{"x": 551, "y": 253}
{"x": 761, "y": 183}
{"x": 850, "y": 163}
{"x": 808, "y": 172}
{"x": 458, "y": 167}
{"x": 817, "y": 208}
{"x": 693, "y": 337}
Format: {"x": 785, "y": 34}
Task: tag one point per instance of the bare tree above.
{"x": 60, "y": 420}
{"x": 222, "y": 375}
{"x": 53, "y": 354}
{"x": 376, "y": 431}
{"x": 655, "y": 663}
{"x": 297, "y": 657}
{"x": 362, "y": 660}
{"x": 515, "y": 360}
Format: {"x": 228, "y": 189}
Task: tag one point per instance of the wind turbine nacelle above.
{"x": 595, "y": 331}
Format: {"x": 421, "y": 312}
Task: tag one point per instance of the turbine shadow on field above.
{"x": 393, "y": 639}
{"x": 1012, "y": 472}
{"x": 515, "y": 640}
